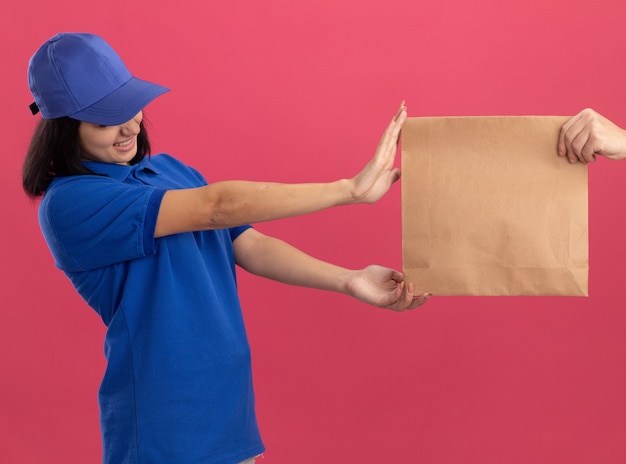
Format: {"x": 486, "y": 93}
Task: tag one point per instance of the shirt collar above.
{"x": 119, "y": 171}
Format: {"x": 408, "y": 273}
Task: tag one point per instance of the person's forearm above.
{"x": 277, "y": 260}
{"x": 234, "y": 203}
{"x": 375, "y": 285}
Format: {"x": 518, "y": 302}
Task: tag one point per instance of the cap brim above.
{"x": 121, "y": 105}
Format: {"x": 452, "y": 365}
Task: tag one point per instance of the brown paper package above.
{"x": 489, "y": 208}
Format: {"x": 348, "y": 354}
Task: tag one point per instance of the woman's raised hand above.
{"x": 379, "y": 174}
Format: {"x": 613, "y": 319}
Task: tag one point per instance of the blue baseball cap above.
{"x": 79, "y": 75}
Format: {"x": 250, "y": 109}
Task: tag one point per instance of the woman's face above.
{"x": 110, "y": 144}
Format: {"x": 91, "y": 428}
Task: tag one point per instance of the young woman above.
{"x": 152, "y": 249}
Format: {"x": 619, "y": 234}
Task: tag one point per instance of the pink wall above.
{"x": 297, "y": 91}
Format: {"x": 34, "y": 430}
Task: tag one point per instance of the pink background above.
{"x": 300, "y": 91}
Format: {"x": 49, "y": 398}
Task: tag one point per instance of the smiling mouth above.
{"x": 123, "y": 144}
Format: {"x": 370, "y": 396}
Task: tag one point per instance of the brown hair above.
{"x": 55, "y": 151}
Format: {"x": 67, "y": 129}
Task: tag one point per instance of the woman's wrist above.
{"x": 347, "y": 192}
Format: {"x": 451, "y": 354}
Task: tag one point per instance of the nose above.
{"x": 132, "y": 127}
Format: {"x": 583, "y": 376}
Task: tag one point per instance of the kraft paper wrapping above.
{"x": 488, "y": 208}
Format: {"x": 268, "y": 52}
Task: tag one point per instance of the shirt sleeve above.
{"x": 237, "y": 231}
{"x": 95, "y": 221}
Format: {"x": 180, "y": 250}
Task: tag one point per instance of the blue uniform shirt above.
{"x": 178, "y": 383}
